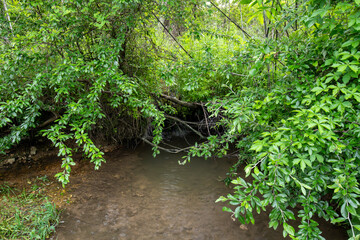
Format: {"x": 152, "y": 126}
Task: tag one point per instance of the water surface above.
{"x": 136, "y": 196}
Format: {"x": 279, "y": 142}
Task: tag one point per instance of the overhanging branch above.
{"x": 180, "y": 102}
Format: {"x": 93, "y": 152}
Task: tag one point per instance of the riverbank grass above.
{"x": 26, "y": 214}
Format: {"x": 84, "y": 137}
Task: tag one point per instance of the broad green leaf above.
{"x": 289, "y": 229}
{"x": 342, "y": 68}
{"x": 354, "y": 68}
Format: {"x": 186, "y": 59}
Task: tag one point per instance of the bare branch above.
{"x": 183, "y": 103}
{"x": 206, "y": 117}
{"x": 169, "y": 150}
{"x": 8, "y": 16}
{"x": 185, "y": 124}
{"x": 237, "y": 74}
{"x": 50, "y": 120}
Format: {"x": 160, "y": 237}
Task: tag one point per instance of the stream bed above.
{"x": 136, "y": 196}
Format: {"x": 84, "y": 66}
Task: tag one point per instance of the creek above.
{"x": 136, "y": 196}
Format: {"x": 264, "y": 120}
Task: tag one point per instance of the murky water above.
{"x": 135, "y": 196}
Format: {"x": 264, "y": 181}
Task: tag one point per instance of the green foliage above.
{"x": 297, "y": 122}
{"x": 68, "y": 60}
{"x": 281, "y": 81}
{"x": 26, "y": 215}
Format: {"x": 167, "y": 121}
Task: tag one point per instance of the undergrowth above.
{"x": 26, "y": 214}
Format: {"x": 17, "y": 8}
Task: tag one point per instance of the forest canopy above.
{"x": 276, "y": 79}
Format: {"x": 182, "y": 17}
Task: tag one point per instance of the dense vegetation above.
{"x": 26, "y": 214}
{"x": 279, "y": 80}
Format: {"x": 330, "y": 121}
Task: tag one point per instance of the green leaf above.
{"x": 221, "y": 199}
{"x": 357, "y": 97}
{"x": 320, "y": 158}
{"x": 237, "y": 212}
{"x": 257, "y": 146}
{"x": 328, "y": 62}
{"x": 245, "y": 1}
{"x": 308, "y": 162}
{"x": 343, "y": 210}
{"x": 302, "y": 165}
{"x": 351, "y": 210}
{"x": 354, "y": 68}
{"x": 342, "y": 68}
{"x": 289, "y": 229}
{"x": 247, "y": 170}
{"x": 256, "y": 171}
{"x": 226, "y": 209}
{"x": 303, "y": 190}
{"x": 337, "y": 220}
{"x": 317, "y": 90}
{"x": 357, "y": 226}
{"x": 252, "y": 72}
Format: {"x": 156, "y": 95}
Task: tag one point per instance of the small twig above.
{"x": 165, "y": 149}
{"x": 237, "y": 74}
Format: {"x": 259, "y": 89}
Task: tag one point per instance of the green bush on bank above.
{"x": 298, "y": 131}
